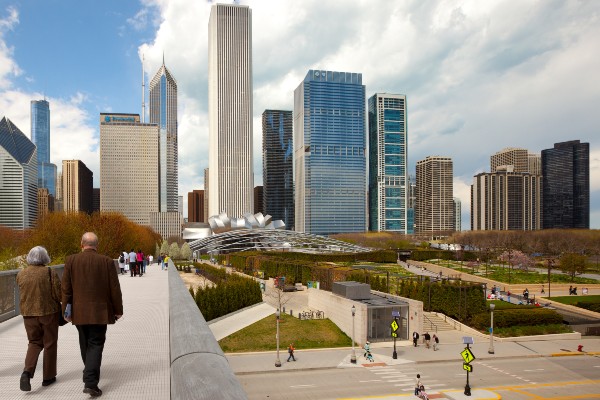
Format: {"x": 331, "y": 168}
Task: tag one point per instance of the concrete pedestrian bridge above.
{"x": 162, "y": 348}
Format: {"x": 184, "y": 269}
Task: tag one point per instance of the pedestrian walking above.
{"x": 91, "y": 290}
{"x": 415, "y": 337}
{"x": 139, "y": 258}
{"x": 291, "y": 352}
{"x": 132, "y": 263}
{"x": 427, "y": 338}
{"x": 39, "y": 295}
{"x": 436, "y": 342}
{"x": 418, "y": 385}
{"x": 121, "y": 260}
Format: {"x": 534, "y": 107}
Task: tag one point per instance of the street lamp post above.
{"x": 491, "y": 349}
{"x": 277, "y": 361}
{"x": 353, "y": 356}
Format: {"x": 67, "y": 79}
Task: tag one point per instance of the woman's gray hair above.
{"x": 38, "y": 256}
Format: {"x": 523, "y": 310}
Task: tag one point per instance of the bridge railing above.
{"x": 199, "y": 369}
{"x": 9, "y": 292}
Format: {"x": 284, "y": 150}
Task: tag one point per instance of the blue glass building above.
{"x": 329, "y": 153}
{"x": 388, "y": 183}
{"x": 40, "y": 136}
{"x": 278, "y": 166}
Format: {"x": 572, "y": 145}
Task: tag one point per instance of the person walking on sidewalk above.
{"x": 418, "y": 385}
{"x": 291, "y": 352}
{"x": 415, "y": 338}
{"x": 427, "y": 337}
{"x": 436, "y": 341}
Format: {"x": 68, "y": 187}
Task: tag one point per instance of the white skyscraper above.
{"x": 163, "y": 112}
{"x": 230, "y": 110}
{"x": 128, "y": 167}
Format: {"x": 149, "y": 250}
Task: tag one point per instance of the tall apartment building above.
{"x": 521, "y": 160}
{"x": 18, "y": 178}
{"x": 129, "y": 176}
{"x": 388, "y": 194}
{"x": 566, "y": 186}
{"x": 167, "y": 224}
{"x": 45, "y": 202}
{"x": 230, "y": 110}
{"x": 95, "y": 199}
{"x": 506, "y": 200}
{"x": 58, "y": 199}
{"x": 278, "y": 166}
{"x": 434, "y": 211}
{"x": 77, "y": 185}
{"x": 457, "y": 214}
{"x": 329, "y": 153}
{"x": 40, "y": 136}
{"x": 163, "y": 112}
{"x": 196, "y": 206}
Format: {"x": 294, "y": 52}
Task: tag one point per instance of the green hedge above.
{"x": 589, "y": 306}
{"x": 230, "y": 293}
{"x": 524, "y": 317}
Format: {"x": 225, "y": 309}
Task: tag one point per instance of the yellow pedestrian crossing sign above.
{"x": 468, "y": 367}
{"x": 394, "y": 326}
{"x": 467, "y": 355}
{"x": 394, "y": 334}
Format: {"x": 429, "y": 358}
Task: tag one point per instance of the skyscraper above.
{"x": 163, "y": 112}
{"x": 278, "y": 166}
{"x": 329, "y": 153}
{"x": 521, "y": 160}
{"x": 18, "y": 178}
{"x": 230, "y": 110}
{"x": 388, "y": 202}
{"x": 457, "y": 214}
{"x": 78, "y": 190}
{"x": 196, "y": 206}
{"x": 506, "y": 200}
{"x": 434, "y": 211}
{"x": 566, "y": 186}
{"x": 128, "y": 167}
{"x": 40, "y": 136}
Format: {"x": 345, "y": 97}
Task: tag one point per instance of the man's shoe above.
{"x": 25, "y": 384}
{"x": 48, "y": 382}
{"x": 94, "y": 392}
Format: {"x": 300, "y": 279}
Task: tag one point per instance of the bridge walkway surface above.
{"x": 135, "y": 363}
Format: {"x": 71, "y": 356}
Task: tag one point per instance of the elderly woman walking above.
{"x": 40, "y": 292}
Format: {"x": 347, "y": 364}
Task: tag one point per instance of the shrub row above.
{"x": 588, "y": 306}
{"x": 523, "y": 317}
{"x": 229, "y": 293}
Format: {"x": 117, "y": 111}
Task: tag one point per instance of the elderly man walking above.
{"x": 92, "y": 292}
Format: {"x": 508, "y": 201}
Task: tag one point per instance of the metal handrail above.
{"x": 431, "y": 324}
{"x": 199, "y": 369}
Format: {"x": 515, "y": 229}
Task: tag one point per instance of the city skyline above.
{"x": 477, "y": 76}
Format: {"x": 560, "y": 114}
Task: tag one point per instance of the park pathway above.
{"x": 135, "y": 363}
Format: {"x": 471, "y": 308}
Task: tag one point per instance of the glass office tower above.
{"x": 163, "y": 112}
{"x": 387, "y": 163}
{"x": 566, "y": 186}
{"x": 329, "y": 153}
{"x": 18, "y": 178}
{"x": 40, "y": 136}
{"x": 278, "y": 166}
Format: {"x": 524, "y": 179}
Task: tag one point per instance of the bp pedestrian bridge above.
{"x": 162, "y": 347}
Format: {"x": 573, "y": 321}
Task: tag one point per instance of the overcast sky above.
{"x": 479, "y": 76}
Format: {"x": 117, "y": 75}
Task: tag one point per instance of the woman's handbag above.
{"x": 61, "y": 318}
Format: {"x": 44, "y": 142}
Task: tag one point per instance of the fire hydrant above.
{"x": 580, "y": 347}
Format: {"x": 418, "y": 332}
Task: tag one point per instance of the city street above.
{"x": 518, "y": 378}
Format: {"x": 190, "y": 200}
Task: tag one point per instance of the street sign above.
{"x": 394, "y": 326}
{"x": 395, "y": 313}
{"x": 394, "y": 334}
{"x": 468, "y": 367}
{"x": 468, "y": 340}
{"x": 467, "y": 355}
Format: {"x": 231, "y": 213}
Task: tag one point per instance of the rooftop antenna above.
{"x": 143, "y": 92}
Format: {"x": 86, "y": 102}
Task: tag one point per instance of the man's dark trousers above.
{"x": 91, "y": 344}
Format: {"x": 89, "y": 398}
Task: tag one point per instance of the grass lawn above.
{"x": 501, "y": 274}
{"x": 577, "y": 299}
{"x": 531, "y": 330}
{"x": 305, "y": 334}
{"x": 503, "y": 305}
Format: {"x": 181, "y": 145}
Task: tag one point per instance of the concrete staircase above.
{"x": 433, "y": 323}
